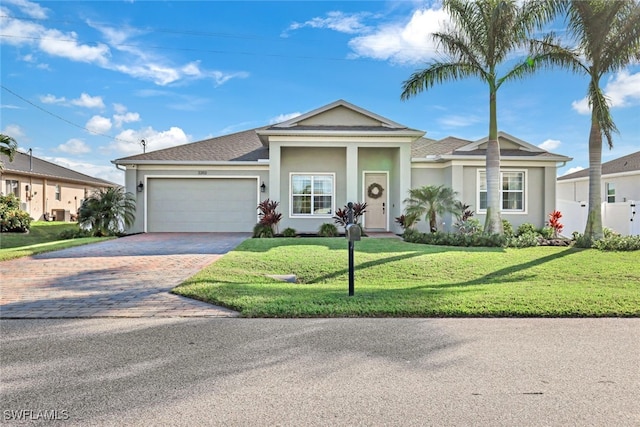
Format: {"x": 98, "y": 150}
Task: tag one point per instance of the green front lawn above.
{"x": 43, "y": 237}
{"x": 399, "y": 279}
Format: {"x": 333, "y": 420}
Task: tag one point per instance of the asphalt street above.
{"x": 321, "y": 372}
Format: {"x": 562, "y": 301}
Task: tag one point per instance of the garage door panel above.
{"x": 207, "y": 205}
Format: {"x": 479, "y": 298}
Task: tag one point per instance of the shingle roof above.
{"x": 506, "y": 153}
{"x": 42, "y": 168}
{"x": 239, "y": 146}
{"x": 424, "y": 147}
{"x": 628, "y": 163}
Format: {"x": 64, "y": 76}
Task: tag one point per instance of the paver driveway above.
{"x": 126, "y": 277}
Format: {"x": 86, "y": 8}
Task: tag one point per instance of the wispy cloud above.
{"x": 550, "y": 144}
{"x": 336, "y": 20}
{"x": 283, "y": 117}
{"x": 622, "y": 90}
{"x": 30, "y": 9}
{"x": 457, "y": 121}
{"x": 572, "y": 170}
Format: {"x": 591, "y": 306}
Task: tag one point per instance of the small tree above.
{"x": 431, "y": 201}
{"x": 107, "y": 212}
{"x": 268, "y": 214}
{"x": 8, "y": 147}
{"x": 12, "y": 218}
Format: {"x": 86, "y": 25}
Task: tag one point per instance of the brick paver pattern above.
{"x": 126, "y": 277}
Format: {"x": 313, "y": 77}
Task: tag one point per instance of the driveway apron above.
{"x": 126, "y": 277}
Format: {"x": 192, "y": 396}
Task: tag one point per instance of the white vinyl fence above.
{"x": 623, "y": 217}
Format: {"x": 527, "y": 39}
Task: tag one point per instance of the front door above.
{"x": 376, "y": 197}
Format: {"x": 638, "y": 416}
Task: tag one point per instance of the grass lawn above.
{"x": 43, "y": 237}
{"x": 398, "y": 279}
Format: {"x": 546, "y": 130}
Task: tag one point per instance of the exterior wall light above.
{"x": 263, "y": 187}
{"x": 140, "y": 187}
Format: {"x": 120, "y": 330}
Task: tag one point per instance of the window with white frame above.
{"x": 58, "y": 194}
{"x": 611, "y": 192}
{"x": 512, "y": 190}
{"x": 12, "y": 187}
{"x": 312, "y": 194}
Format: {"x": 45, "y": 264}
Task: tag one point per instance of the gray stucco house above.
{"x": 319, "y": 161}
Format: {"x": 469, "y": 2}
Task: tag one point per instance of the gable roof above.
{"x": 451, "y": 148}
{"x": 628, "y": 163}
{"x": 338, "y": 118}
{"x": 24, "y": 164}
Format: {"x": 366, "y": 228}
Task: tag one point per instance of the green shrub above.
{"x": 328, "y": 230}
{"x": 525, "y": 240}
{"x": 289, "y": 232}
{"x": 455, "y": 239}
{"x": 615, "y": 242}
{"x": 525, "y": 229}
{"x": 74, "y": 234}
{"x": 262, "y": 231}
{"x": 546, "y": 232}
{"x": 12, "y": 219}
{"x": 507, "y": 227}
{"x": 469, "y": 226}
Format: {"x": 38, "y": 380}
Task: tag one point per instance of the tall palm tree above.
{"x": 484, "y": 34}
{"x": 607, "y": 34}
{"x": 430, "y": 201}
{"x": 8, "y": 147}
{"x": 107, "y": 212}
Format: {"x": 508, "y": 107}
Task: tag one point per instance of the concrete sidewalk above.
{"x": 126, "y": 277}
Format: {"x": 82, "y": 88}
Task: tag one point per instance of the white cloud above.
{"x": 409, "y": 42}
{"x": 52, "y": 99}
{"x": 572, "y": 170}
{"x": 128, "y": 141}
{"x": 74, "y": 146}
{"x": 57, "y": 43}
{"x": 622, "y": 90}
{"x": 88, "y": 101}
{"x": 128, "y": 117}
{"x": 550, "y": 144}
{"x": 337, "y": 21}
{"x": 283, "y": 117}
{"x": 14, "y": 131}
{"x": 119, "y": 108}
{"x": 33, "y": 10}
{"x": 99, "y": 124}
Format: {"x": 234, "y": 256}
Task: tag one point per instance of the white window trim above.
{"x": 312, "y": 215}
{"x": 607, "y": 186}
{"x": 525, "y": 189}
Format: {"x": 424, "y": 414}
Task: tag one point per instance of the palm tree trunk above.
{"x": 493, "y": 222}
{"x": 593, "y": 230}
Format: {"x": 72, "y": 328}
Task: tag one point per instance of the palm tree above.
{"x": 8, "y": 147}
{"x": 432, "y": 201}
{"x": 107, "y": 212}
{"x": 608, "y": 39}
{"x": 484, "y": 35}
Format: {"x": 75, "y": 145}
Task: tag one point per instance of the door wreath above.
{"x": 375, "y": 191}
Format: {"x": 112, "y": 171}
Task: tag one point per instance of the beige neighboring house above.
{"x": 315, "y": 163}
{"x": 620, "y": 189}
{"x": 45, "y": 187}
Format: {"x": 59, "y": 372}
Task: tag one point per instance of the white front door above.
{"x": 376, "y": 197}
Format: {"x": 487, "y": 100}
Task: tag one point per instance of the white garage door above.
{"x": 206, "y": 205}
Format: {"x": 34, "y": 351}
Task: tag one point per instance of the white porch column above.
{"x": 405, "y": 173}
{"x": 274, "y": 172}
{"x": 352, "y": 173}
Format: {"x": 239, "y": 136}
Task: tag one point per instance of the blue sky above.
{"x": 84, "y": 82}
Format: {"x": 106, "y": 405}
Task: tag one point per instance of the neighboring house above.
{"x": 45, "y": 187}
{"x": 315, "y": 163}
{"x": 620, "y": 189}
